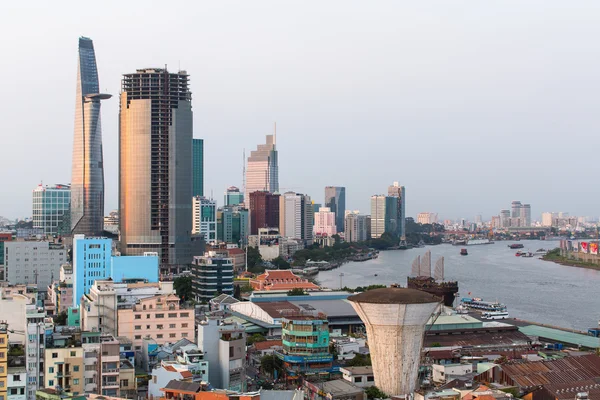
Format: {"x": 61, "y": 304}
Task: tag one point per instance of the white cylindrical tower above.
{"x": 395, "y": 319}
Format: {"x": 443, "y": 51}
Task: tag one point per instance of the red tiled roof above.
{"x": 186, "y": 374}
{"x": 267, "y": 344}
{"x": 170, "y": 368}
{"x": 235, "y": 252}
{"x": 278, "y": 274}
{"x": 289, "y": 286}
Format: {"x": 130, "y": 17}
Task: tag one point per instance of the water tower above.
{"x": 395, "y": 319}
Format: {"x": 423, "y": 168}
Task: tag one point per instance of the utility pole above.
{"x": 341, "y": 277}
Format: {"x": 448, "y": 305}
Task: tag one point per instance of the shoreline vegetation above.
{"x": 554, "y": 256}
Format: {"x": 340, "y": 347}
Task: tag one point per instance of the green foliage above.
{"x": 297, "y": 292}
{"x": 183, "y": 287}
{"x": 269, "y": 363}
{"x": 237, "y": 292}
{"x": 360, "y": 360}
{"x": 436, "y": 344}
{"x": 61, "y": 319}
{"x": 247, "y": 289}
{"x": 374, "y": 392}
{"x": 362, "y": 289}
{"x": 255, "y": 260}
{"x": 281, "y": 263}
{"x": 257, "y": 337}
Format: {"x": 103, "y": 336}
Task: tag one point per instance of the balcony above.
{"x": 110, "y": 371}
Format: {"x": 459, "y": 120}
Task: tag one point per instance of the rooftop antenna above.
{"x": 244, "y": 173}
{"x": 274, "y": 133}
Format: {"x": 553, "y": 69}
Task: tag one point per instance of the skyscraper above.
{"x": 296, "y": 216}
{"x": 399, "y": 193}
{"x": 262, "y": 172}
{"x": 198, "y": 167}
{"x": 233, "y": 196}
{"x": 204, "y": 218}
{"x": 51, "y": 209}
{"x": 384, "y": 215}
{"x": 87, "y": 176}
{"x": 155, "y": 160}
{"x": 264, "y": 211}
{"x": 335, "y": 199}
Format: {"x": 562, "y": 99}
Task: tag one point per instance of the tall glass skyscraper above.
{"x": 155, "y": 166}
{"x": 198, "y": 167}
{"x": 262, "y": 171}
{"x": 51, "y": 209}
{"x": 335, "y": 199}
{"x": 87, "y": 179}
{"x": 399, "y": 193}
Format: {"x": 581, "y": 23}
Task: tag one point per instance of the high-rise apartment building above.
{"x": 526, "y": 215}
{"x": 324, "y": 222}
{"x": 357, "y": 227}
{"x": 335, "y": 199}
{"x": 52, "y": 209}
{"x": 547, "y": 219}
{"x": 87, "y": 179}
{"x": 296, "y": 216}
{"x": 233, "y": 196}
{"x": 91, "y": 262}
{"x": 384, "y": 215}
{"x": 262, "y": 171}
{"x": 33, "y": 262}
{"x": 197, "y": 167}
{"x": 204, "y": 212}
{"x": 504, "y": 218}
{"x": 399, "y": 192}
{"x": 516, "y": 209}
{"x": 211, "y": 275}
{"x": 155, "y": 159}
{"x": 264, "y": 211}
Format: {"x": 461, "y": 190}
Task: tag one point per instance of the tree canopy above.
{"x": 183, "y": 287}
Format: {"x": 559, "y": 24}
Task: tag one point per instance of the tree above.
{"x": 257, "y": 337}
{"x": 374, "y": 392}
{"x": 296, "y": 292}
{"x": 61, "y": 318}
{"x": 360, "y": 360}
{"x": 237, "y": 292}
{"x": 269, "y": 363}
{"x": 183, "y": 287}
{"x": 280, "y": 263}
{"x": 255, "y": 260}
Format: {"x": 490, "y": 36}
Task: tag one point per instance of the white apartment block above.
{"x": 33, "y": 262}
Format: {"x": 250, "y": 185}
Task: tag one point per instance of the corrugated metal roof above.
{"x": 560, "y": 336}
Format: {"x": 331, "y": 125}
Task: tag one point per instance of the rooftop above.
{"x": 340, "y": 387}
{"x": 267, "y": 344}
{"x": 359, "y": 370}
{"x": 394, "y": 296}
{"x": 560, "y": 336}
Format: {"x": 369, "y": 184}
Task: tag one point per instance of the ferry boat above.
{"x": 478, "y": 304}
{"x": 473, "y": 242}
{"x": 464, "y": 252}
{"x": 421, "y": 279}
{"x": 516, "y": 246}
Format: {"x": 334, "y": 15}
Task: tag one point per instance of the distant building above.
{"x": 337, "y": 389}
{"x": 281, "y": 280}
{"x": 205, "y": 218}
{"x": 547, "y": 219}
{"x": 264, "y": 211}
{"x": 211, "y": 275}
{"x": 60, "y": 292}
{"x": 360, "y": 376}
{"x": 197, "y": 167}
{"x": 505, "y": 218}
{"x": 325, "y": 222}
{"x": 262, "y": 171}
{"x": 335, "y": 199}
{"x": 384, "y": 215}
{"x": 232, "y": 225}
{"x": 427, "y": 218}
{"x": 33, "y": 262}
{"x": 268, "y": 241}
{"x": 224, "y": 346}
{"x": 233, "y": 196}
{"x": 52, "y": 209}
{"x": 111, "y": 222}
{"x": 357, "y": 227}
{"x": 399, "y": 193}
{"x": 296, "y": 216}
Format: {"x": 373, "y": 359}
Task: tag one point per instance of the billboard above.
{"x": 594, "y": 248}
{"x": 584, "y": 247}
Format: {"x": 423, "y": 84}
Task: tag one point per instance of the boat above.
{"x": 527, "y": 254}
{"x": 476, "y": 303}
{"x": 473, "y": 242}
{"x": 463, "y": 252}
{"x": 519, "y": 253}
{"x": 516, "y": 246}
{"x": 375, "y": 275}
{"x": 421, "y": 279}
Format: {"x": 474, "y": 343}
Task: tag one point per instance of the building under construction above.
{"x": 155, "y": 160}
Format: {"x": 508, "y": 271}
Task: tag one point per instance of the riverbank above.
{"x": 555, "y": 257}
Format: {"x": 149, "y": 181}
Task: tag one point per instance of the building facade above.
{"x": 384, "y": 215}
{"x": 211, "y": 275}
{"x": 233, "y": 196}
{"x": 325, "y": 222}
{"x": 197, "y": 167}
{"x": 427, "y": 218}
{"x": 91, "y": 262}
{"x": 335, "y": 199}
{"x": 264, "y": 211}
{"x": 232, "y": 225}
{"x": 52, "y": 209}
{"x": 33, "y": 262}
{"x": 399, "y": 193}
{"x": 296, "y": 216}
{"x": 357, "y": 227}
{"x": 3, "y": 359}
{"x": 155, "y": 158}
{"x": 64, "y": 368}
{"x": 87, "y": 178}
{"x": 262, "y": 171}
{"x": 204, "y": 212}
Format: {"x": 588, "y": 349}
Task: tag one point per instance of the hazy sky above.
{"x": 469, "y": 104}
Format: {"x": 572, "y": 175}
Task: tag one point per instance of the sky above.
{"x": 469, "y": 104}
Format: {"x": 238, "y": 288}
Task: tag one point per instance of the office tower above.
{"x": 526, "y": 215}
{"x": 399, "y": 192}
{"x": 198, "y": 167}
{"x": 51, "y": 209}
{"x": 324, "y": 222}
{"x": 384, "y": 215}
{"x": 356, "y": 227}
{"x": 87, "y": 180}
{"x": 262, "y": 172}
{"x": 33, "y": 262}
{"x": 232, "y": 225}
{"x": 211, "y": 275}
{"x": 335, "y": 199}
{"x": 516, "y": 209}
{"x": 155, "y": 159}
{"x": 296, "y": 216}
{"x": 233, "y": 196}
{"x": 317, "y": 206}
{"x": 205, "y": 218}
{"x": 504, "y": 218}
{"x": 264, "y": 211}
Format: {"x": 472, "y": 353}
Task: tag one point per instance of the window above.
{"x": 138, "y": 316}
{"x": 370, "y": 378}
{"x": 54, "y": 355}
{"x": 147, "y": 326}
{"x": 51, "y": 370}
{"x": 89, "y": 380}
{"x": 2, "y": 340}
{"x": 17, "y": 378}
{"x": 159, "y": 326}
{"x": 147, "y": 316}
{"x": 230, "y": 353}
{"x": 358, "y": 379}
{"x": 159, "y": 336}
{"x": 124, "y": 382}
{"x": 138, "y": 327}
{"x": 73, "y": 354}
{"x": 184, "y": 325}
{"x": 185, "y": 314}
{"x": 171, "y": 326}
{"x": 75, "y": 381}
{"x": 13, "y": 391}
{"x": 171, "y": 335}
{"x": 76, "y": 368}
{"x": 184, "y": 334}
{"x": 173, "y": 315}
{"x": 90, "y": 368}
{"x": 138, "y": 337}
{"x": 160, "y": 315}
{"x": 51, "y": 383}
{"x": 2, "y": 354}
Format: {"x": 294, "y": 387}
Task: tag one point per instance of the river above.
{"x": 531, "y": 288}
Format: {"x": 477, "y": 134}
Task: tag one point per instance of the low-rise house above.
{"x": 222, "y": 302}
{"x": 334, "y": 390}
{"x": 360, "y": 376}
{"x": 164, "y": 374}
{"x": 447, "y": 372}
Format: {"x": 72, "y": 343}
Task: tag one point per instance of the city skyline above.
{"x": 518, "y": 127}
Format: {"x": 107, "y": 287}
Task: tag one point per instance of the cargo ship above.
{"x": 421, "y": 279}
{"x": 516, "y": 246}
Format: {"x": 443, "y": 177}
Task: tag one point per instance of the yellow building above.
{"x": 3, "y": 359}
{"x": 64, "y": 368}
